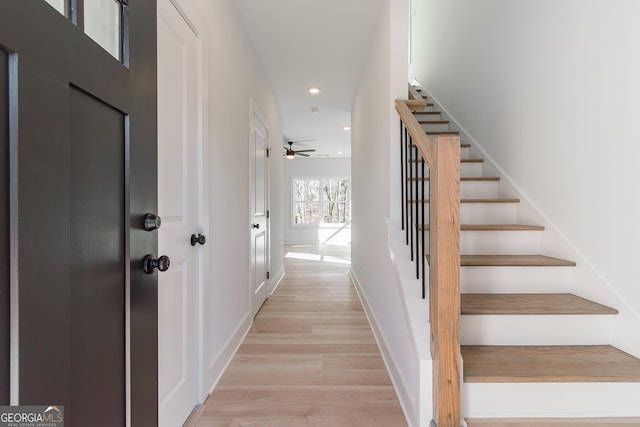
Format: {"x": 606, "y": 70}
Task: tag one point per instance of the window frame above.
{"x": 321, "y": 202}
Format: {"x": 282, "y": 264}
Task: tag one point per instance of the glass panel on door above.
{"x": 59, "y": 5}
{"x": 102, "y": 22}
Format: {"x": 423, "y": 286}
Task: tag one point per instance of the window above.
{"x": 321, "y": 201}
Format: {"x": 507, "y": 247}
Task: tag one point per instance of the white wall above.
{"x": 311, "y": 167}
{"x": 549, "y": 89}
{"x": 233, "y": 76}
{"x": 375, "y": 133}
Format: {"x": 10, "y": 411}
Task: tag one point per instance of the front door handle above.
{"x": 256, "y": 226}
{"x": 149, "y": 263}
{"x": 198, "y": 238}
{"x": 152, "y": 222}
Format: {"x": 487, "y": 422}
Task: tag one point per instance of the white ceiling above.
{"x": 303, "y": 43}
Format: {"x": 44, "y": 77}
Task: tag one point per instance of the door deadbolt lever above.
{"x": 198, "y": 238}
{"x": 149, "y": 263}
{"x": 152, "y": 222}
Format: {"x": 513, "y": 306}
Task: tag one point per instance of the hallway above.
{"x": 310, "y": 358}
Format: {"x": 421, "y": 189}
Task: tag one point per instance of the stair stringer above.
{"x": 417, "y": 404}
{"x": 585, "y": 280}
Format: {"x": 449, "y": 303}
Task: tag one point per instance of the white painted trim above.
{"x": 275, "y": 281}
{"x": 404, "y": 394}
{"x": 254, "y": 111}
{"x": 416, "y": 314}
{"x": 197, "y": 25}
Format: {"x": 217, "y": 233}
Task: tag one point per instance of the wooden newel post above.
{"x": 444, "y": 280}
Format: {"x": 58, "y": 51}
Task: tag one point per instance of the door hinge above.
{"x": 267, "y": 214}
{"x": 267, "y": 275}
{"x": 268, "y": 151}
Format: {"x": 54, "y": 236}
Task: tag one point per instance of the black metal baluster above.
{"x": 403, "y": 136}
{"x": 407, "y": 141}
{"x": 423, "y": 227}
{"x": 411, "y": 178}
{"x": 415, "y": 199}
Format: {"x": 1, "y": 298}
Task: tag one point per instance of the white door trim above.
{"x": 254, "y": 111}
{"x": 193, "y": 19}
{"x": 197, "y": 25}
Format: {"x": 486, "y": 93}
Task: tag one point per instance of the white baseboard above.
{"x": 404, "y": 395}
{"x": 219, "y": 364}
{"x": 275, "y": 281}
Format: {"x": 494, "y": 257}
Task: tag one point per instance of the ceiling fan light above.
{"x": 290, "y": 154}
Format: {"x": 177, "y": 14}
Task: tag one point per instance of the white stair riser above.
{"x": 515, "y": 280}
{"x": 425, "y": 109}
{"x": 535, "y": 329}
{"x": 521, "y": 400}
{"x": 435, "y": 127}
{"x": 499, "y": 242}
{"x": 470, "y": 169}
{"x": 481, "y": 213}
{"x": 429, "y": 117}
{"x": 472, "y": 189}
{"x": 464, "y": 153}
{"x": 466, "y": 168}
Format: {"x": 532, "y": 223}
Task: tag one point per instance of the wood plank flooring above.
{"x": 310, "y": 358}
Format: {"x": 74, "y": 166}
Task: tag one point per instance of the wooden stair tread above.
{"x": 433, "y": 122}
{"x": 513, "y": 261}
{"x": 442, "y": 132}
{"x": 464, "y": 178}
{"x": 493, "y": 227}
{"x": 462, "y": 145}
{"x": 461, "y": 160}
{"x": 552, "y": 422}
{"x": 475, "y": 201}
{"x": 526, "y": 364}
{"x": 519, "y": 304}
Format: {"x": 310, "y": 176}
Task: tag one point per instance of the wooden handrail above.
{"x": 442, "y": 155}
{"x": 418, "y": 134}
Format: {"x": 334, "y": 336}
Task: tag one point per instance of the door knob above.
{"x": 149, "y": 263}
{"x": 198, "y": 238}
{"x": 152, "y": 222}
{"x": 256, "y": 226}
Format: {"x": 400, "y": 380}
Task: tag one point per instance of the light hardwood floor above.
{"x": 310, "y": 358}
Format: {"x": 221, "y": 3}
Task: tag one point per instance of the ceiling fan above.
{"x": 290, "y": 153}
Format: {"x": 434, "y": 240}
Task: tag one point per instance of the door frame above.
{"x": 254, "y": 111}
{"x": 140, "y": 135}
{"x": 197, "y": 25}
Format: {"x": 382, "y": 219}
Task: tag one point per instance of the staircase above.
{"x": 530, "y": 347}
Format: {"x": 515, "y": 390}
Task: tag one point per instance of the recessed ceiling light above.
{"x": 314, "y": 90}
{"x": 339, "y": 152}
{"x": 347, "y": 128}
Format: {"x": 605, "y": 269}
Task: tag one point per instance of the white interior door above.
{"x": 259, "y": 211}
{"x": 179, "y": 203}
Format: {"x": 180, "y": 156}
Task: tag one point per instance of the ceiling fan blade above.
{"x": 293, "y": 141}
{"x": 301, "y": 154}
{"x": 305, "y": 151}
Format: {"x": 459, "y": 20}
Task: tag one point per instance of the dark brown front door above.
{"x": 78, "y": 133}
